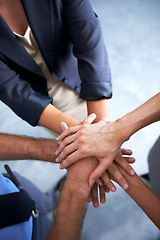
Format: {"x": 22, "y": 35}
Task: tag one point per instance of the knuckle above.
{"x": 121, "y": 180}
{"x": 83, "y": 150}
{"x": 107, "y": 181}
{"x": 81, "y": 139}
{"x": 68, "y": 159}
{"x": 65, "y": 141}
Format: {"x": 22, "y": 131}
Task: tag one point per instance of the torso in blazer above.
{"x": 69, "y": 37}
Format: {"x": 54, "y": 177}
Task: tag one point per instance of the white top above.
{"x": 64, "y": 98}
{"x": 32, "y": 48}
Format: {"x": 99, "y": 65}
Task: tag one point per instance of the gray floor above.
{"x": 132, "y": 35}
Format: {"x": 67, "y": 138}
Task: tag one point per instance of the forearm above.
{"x": 147, "y": 200}
{"x": 142, "y": 116}
{"x": 72, "y": 205}
{"x": 52, "y": 117}
{"x": 70, "y": 215}
{"x": 100, "y": 108}
{"x": 18, "y": 147}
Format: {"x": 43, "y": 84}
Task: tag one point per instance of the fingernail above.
{"x": 128, "y": 151}
{"x": 125, "y": 186}
{"x": 60, "y": 167}
{"x": 89, "y": 200}
{"x": 100, "y": 183}
{"x": 103, "y": 201}
{"x": 96, "y": 205}
{"x": 58, "y": 138}
{"x": 107, "y": 190}
{"x": 56, "y": 160}
{"x": 56, "y": 153}
{"x": 131, "y": 160}
{"x": 132, "y": 172}
{"x": 59, "y": 142}
{"x": 91, "y": 183}
{"x": 113, "y": 189}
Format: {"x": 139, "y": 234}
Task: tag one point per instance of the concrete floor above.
{"x": 131, "y": 32}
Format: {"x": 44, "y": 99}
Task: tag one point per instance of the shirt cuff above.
{"x": 33, "y": 106}
{"x": 91, "y": 91}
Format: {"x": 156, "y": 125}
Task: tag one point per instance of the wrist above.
{"x": 43, "y": 149}
{"x": 48, "y": 149}
{"x": 124, "y": 128}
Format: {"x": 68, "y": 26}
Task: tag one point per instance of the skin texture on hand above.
{"x": 103, "y": 140}
{"x": 91, "y": 145}
{"x": 122, "y": 161}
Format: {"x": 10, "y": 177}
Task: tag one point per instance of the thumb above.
{"x": 98, "y": 171}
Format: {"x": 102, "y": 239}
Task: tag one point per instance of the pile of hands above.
{"x": 96, "y": 140}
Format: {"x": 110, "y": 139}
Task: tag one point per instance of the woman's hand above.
{"x": 114, "y": 172}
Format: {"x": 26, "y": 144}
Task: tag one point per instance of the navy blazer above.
{"x": 69, "y": 36}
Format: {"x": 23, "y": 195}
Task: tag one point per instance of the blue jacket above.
{"x": 69, "y": 36}
{"x": 18, "y": 231}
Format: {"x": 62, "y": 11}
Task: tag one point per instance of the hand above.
{"x": 114, "y": 172}
{"x": 88, "y": 137}
{"x": 93, "y": 196}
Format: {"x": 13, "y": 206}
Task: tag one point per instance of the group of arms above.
{"x": 95, "y": 149}
{"x": 103, "y": 140}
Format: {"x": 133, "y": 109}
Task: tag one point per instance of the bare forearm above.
{"x": 18, "y": 147}
{"x": 52, "y": 117}
{"x": 72, "y": 205}
{"x": 147, "y": 200}
{"x": 69, "y": 217}
{"x": 142, "y": 116}
{"x": 100, "y": 108}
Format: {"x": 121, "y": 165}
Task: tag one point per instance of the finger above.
{"x": 89, "y": 119}
{"x": 99, "y": 182}
{"x": 68, "y": 131}
{"x": 130, "y": 159}
{"x": 108, "y": 182}
{"x": 65, "y": 142}
{"x": 90, "y": 197}
{"x": 69, "y": 160}
{"x": 125, "y": 151}
{"x": 113, "y": 169}
{"x": 95, "y": 195}
{"x": 107, "y": 190}
{"x": 102, "y": 194}
{"x": 124, "y": 164}
{"x": 99, "y": 170}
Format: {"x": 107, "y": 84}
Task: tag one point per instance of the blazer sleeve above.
{"x": 20, "y": 97}
{"x": 89, "y": 49}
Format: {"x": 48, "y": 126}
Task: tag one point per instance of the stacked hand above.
{"x": 89, "y": 140}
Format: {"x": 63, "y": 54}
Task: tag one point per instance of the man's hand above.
{"x": 91, "y": 140}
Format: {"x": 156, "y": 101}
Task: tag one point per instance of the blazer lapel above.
{"x": 40, "y": 18}
{"x": 14, "y": 50}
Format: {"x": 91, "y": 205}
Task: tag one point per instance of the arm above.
{"x": 147, "y": 200}
{"x": 72, "y": 204}
{"x": 89, "y": 49}
{"x": 18, "y": 148}
{"x": 100, "y": 108}
{"x": 103, "y": 140}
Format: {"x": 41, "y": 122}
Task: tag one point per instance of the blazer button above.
{"x": 65, "y": 78}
